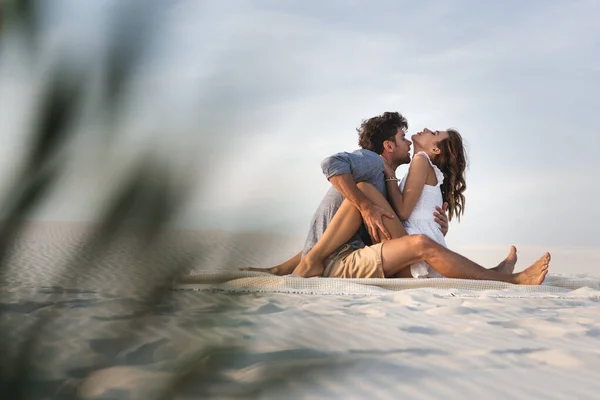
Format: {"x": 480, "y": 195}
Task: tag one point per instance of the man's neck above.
{"x": 392, "y": 163}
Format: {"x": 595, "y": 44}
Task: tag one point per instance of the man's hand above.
{"x": 373, "y": 219}
{"x": 441, "y": 218}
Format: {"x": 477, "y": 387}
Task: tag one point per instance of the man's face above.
{"x": 401, "y": 149}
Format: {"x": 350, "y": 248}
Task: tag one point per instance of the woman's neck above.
{"x": 418, "y": 149}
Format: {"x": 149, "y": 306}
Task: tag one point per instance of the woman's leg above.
{"x": 398, "y": 253}
{"x": 343, "y": 226}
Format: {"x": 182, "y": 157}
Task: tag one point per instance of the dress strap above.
{"x": 438, "y": 174}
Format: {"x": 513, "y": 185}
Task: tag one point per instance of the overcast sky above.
{"x": 262, "y": 91}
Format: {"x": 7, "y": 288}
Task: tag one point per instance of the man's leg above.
{"x": 398, "y": 254}
{"x": 344, "y": 224}
{"x": 284, "y": 268}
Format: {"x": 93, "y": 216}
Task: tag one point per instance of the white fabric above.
{"x": 553, "y": 286}
{"x": 421, "y": 220}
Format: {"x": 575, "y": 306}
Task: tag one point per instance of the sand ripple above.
{"x": 413, "y": 344}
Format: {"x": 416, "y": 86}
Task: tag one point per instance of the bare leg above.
{"x": 284, "y": 268}
{"x": 347, "y": 221}
{"x": 397, "y": 254}
{"x": 343, "y": 226}
{"x": 507, "y": 266}
{"x": 396, "y": 230}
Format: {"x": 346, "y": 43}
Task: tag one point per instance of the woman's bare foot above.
{"x": 535, "y": 274}
{"x": 508, "y": 265}
{"x": 309, "y": 267}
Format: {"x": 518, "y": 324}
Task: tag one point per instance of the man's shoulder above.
{"x": 367, "y": 154}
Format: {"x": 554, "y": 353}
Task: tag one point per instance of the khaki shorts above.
{"x": 347, "y": 262}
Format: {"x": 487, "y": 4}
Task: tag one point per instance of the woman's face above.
{"x": 428, "y": 139}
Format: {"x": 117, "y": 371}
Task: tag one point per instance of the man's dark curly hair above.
{"x": 374, "y": 131}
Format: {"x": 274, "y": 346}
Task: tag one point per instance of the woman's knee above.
{"x": 422, "y": 242}
{"x": 372, "y": 193}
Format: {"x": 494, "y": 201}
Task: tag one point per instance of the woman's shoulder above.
{"x": 422, "y": 157}
{"x": 420, "y": 160}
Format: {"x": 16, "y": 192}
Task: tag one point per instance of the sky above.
{"x": 257, "y": 93}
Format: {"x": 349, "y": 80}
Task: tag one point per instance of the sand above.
{"x": 250, "y": 336}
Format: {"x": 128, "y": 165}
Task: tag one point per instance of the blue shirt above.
{"x": 365, "y": 166}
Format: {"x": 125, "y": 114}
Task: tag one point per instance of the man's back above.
{"x": 365, "y": 166}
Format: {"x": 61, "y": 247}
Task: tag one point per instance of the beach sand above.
{"x": 250, "y": 336}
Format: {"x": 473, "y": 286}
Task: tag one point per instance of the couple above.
{"x": 371, "y": 225}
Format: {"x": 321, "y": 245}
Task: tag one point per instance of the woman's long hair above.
{"x": 452, "y": 161}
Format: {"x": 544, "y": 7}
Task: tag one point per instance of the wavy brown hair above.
{"x": 374, "y": 131}
{"x": 452, "y": 161}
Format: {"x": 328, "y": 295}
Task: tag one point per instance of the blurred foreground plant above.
{"x": 137, "y": 214}
{"x": 144, "y": 205}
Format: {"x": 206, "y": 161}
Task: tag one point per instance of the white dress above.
{"x": 422, "y": 221}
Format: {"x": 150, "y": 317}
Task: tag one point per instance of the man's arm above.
{"x": 344, "y": 170}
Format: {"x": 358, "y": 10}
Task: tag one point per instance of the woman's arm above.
{"x": 405, "y": 202}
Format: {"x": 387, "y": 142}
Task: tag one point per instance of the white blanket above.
{"x": 554, "y": 285}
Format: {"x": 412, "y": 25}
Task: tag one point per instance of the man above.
{"x": 383, "y": 139}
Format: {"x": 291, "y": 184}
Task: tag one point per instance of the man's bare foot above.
{"x": 508, "y": 265}
{"x": 277, "y": 270}
{"x": 535, "y": 274}
{"x": 309, "y": 267}
{"x": 267, "y": 270}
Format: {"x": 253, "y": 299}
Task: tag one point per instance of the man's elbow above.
{"x": 335, "y": 165}
{"x": 326, "y": 163}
